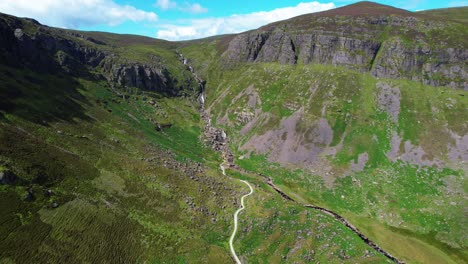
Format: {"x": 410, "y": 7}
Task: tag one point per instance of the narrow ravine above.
{"x": 218, "y": 140}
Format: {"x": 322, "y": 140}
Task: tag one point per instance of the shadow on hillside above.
{"x": 40, "y": 97}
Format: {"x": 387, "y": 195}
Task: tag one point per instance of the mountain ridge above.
{"x": 338, "y": 136}
{"x": 410, "y": 46}
{"x": 110, "y": 144}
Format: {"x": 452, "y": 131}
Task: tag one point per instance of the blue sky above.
{"x": 182, "y": 19}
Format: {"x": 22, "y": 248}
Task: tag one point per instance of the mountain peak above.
{"x": 364, "y": 8}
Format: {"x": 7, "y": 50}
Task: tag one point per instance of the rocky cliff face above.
{"x": 43, "y": 50}
{"x": 144, "y": 76}
{"x": 26, "y": 43}
{"x": 385, "y": 46}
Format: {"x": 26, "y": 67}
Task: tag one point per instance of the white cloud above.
{"x": 185, "y": 7}
{"x": 199, "y": 28}
{"x": 193, "y": 8}
{"x": 165, "y": 4}
{"x": 76, "y": 13}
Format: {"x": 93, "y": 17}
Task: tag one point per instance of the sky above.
{"x": 182, "y": 19}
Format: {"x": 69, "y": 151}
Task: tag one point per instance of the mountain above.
{"x": 100, "y": 158}
{"x": 385, "y": 41}
{"x": 348, "y": 123}
{"x": 347, "y": 112}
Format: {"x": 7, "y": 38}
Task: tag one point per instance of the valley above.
{"x": 332, "y": 137}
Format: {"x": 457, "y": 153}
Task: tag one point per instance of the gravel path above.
{"x": 231, "y": 240}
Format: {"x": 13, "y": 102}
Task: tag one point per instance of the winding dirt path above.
{"x": 231, "y": 240}
{"x": 222, "y": 146}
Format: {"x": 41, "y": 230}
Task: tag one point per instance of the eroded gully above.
{"x": 218, "y": 140}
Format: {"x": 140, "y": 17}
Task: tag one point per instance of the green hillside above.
{"x": 385, "y": 153}
{"x": 455, "y": 13}
{"x": 111, "y": 146}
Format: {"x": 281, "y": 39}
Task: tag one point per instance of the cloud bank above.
{"x": 165, "y": 4}
{"x": 204, "y": 27}
{"x": 76, "y": 13}
{"x": 185, "y": 7}
{"x": 87, "y": 13}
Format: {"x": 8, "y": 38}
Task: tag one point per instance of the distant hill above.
{"x": 459, "y": 14}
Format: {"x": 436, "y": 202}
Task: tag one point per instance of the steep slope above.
{"x": 102, "y": 161}
{"x": 347, "y": 120}
{"x": 133, "y": 62}
{"x": 105, "y": 141}
{"x": 368, "y": 37}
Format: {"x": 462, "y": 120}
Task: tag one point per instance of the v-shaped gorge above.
{"x": 110, "y": 145}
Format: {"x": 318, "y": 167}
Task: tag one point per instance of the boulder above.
{"x": 29, "y": 195}
{"x": 8, "y": 177}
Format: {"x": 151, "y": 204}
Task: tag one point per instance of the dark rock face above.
{"x": 29, "y": 195}
{"x": 318, "y": 47}
{"x": 357, "y": 43}
{"x": 278, "y": 47}
{"x": 43, "y": 51}
{"x": 143, "y": 76}
{"x": 245, "y": 47}
{"x": 54, "y": 50}
{"x": 432, "y": 67}
{"x": 326, "y": 48}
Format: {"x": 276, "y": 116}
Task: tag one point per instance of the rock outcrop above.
{"x": 43, "y": 50}
{"x": 397, "y": 46}
{"x": 144, "y": 76}
{"x": 26, "y": 43}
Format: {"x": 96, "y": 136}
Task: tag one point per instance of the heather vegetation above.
{"x": 106, "y": 152}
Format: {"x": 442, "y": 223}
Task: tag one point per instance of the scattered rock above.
{"x": 48, "y": 193}
{"x": 8, "y": 177}
{"x": 29, "y": 195}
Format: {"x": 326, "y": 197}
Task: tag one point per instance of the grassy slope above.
{"x": 106, "y": 165}
{"x": 126, "y": 192}
{"x": 117, "y": 200}
{"x": 424, "y": 231}
{"x": 395, "y": 201}
{"x": 280, "y": 231}
{"x": 456, "y": 13}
